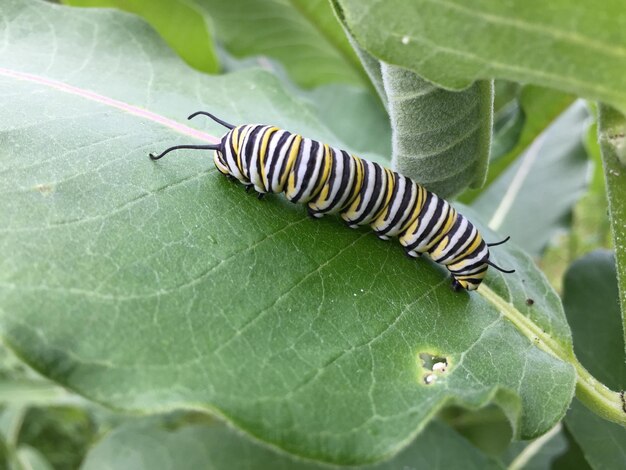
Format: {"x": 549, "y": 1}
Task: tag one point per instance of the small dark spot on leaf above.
{"x": 529, "y": 302}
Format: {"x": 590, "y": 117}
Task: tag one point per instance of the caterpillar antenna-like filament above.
{"x": 176, "y": 147}
{"x": 216, "y": 119}
{"x": 499, "y": 268}
{"x": 500, "y": 242}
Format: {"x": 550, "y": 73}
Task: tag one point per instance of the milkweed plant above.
{"x": 153, "y": 315}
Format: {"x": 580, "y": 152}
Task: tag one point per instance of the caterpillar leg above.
{"x": 456, "y": 285}
{"x": 247, "y": 187}
{"x": 260, "y": 196}
{"x": 411, "y": 254}
{"x": 313, "y": 214}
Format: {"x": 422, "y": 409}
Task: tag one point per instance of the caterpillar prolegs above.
{"x": 332, "y": 181}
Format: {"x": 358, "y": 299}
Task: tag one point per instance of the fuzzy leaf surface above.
{"x": 612, "y": 138}
{"x": 298, "y": 34}
{"x": 577, "y": 48}
{"x": 180, "y": 22}
{"x": 440, "y": 138}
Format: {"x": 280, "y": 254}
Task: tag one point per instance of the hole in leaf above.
{"x": 434, "y": 363}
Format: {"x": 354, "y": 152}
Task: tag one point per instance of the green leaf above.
{"x": 322, "y": 18}
{"x": 554, "y": 168}
{"x": 148, "y": 444}
{"x": 505, "y": 92}
{"x": 154, "y": 286}
{"x": 591, "y": 301}
{"x": 538, "y": 454}
{"x": 180, "y": 22}
{"x": 31, "y": 392}
{"x": 574, "y": 458}
{"x": 11, "y": 418}
{"x": 440, "y": 138}
{"x": 508, "y": 125}
{"x": 32, "y": 459}
{"x": 488, "y": 428}
{"x": 297, "y": 34}
{"x": 611, "y": 134}
{"x": 531, "y": 115}
{"x": 603, "y": 443}
{"x": 579, "y": 49}
{"x": 590, "y": 292}
{"x": 372, "y": 67}
{"x": 61, "y": 435}
{"x": 304, "y": 36}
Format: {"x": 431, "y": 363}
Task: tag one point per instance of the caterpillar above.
{"x": 332, "y": 181}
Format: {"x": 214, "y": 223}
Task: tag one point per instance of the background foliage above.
{"x": 162, "y": 289}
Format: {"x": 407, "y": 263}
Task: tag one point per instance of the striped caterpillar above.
{"x": 332, "y": 181}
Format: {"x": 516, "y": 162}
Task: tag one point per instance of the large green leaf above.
{"x": 181, "y": 23}
{"x": 554, "y": 169}
{"x": 603, "y": 443}
{"x": 440, "y": 138}
{"x": 304, "y": 36}
{"x": 578, "y": 48}
{"x": 590, "y": 293}
{"x": 148, "y": 444}
{"x": 611, "y": 134}
{"x": 152, "y": 286}
{"x": 591, "y": 301}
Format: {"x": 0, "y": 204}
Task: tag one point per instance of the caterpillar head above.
{"x": 468, "y": 284}
{"x": 469, "y": 275}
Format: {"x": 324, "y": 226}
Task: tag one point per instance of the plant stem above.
{"x": 534, "y": 448}
{"x": 593, "y": 394}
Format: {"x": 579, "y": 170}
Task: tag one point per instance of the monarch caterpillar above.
{"x": 329, "y": 181}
